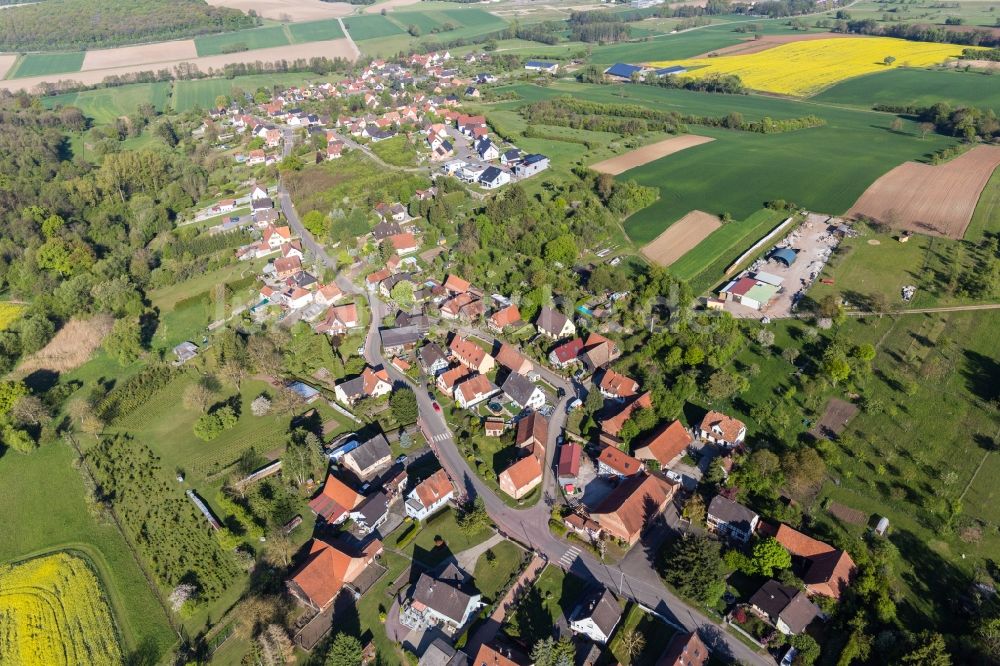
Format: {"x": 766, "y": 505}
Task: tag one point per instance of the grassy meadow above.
{"x": 241, "y": 40}
{"x": 41, "y": 64}
{"x": 315, "y": 31}
{"x": 371, "y": 26}
{"x": 986, "y": 217}
{"x": 917, "y": 87}
{"x": 104, "y": 105}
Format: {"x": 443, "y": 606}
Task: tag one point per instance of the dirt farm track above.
{"x": 650, "y": 153}
{"x": 937, "y": 200}
{"x": 680, "y": 237}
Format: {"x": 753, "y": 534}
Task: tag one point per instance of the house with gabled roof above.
{"x": 504, "y": 317}
{"x": 339, "y": 319}
{"x": 521, "y": 477}
{"x": 334, "y": 503}
{"x": 456, "y": 285}
{"x": 474, "y": 390}
{"x": 613, "y": 424}
{"x": 446, "y": 601}
{"x": 532, "y": 432}
{"x": 371, "y": 383}
{"x": 369, "y": 458}
{"x": 723, "y": 430}
{"x": 731, "y": 519}
{"x": 632, "y": 505}
{"x": 616, "y": 386}
{"x": 566, "y": 354}
{"x": 509, "y": 357}
{"x": 597, "y": 615}
{"x": 471, "y": 355}
{"x": 667, "y": 443}
{"x": 825, "y": 570}
{"x": 327, "y": 570}
{"x": 612, "y": 461}
{"x": 429, "y": 496}
{"x": 685, "y": 649}
{"x": 448, "y": 380}
{"x": 553, "y": 324}
{"x": 522, "y": 392}
{"x": 787, "y": 608}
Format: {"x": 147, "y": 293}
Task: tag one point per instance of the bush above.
{"x": 210, "y": 426}
{"x": 407, "y": 536}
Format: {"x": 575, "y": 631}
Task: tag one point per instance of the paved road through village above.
{"x": 635, "y": 578}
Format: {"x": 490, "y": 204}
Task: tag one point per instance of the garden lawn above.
{"x": 378, "y": 599}
{"x": 315, "y": 31}
{"x": 105, "y": 105}
{"x": 397, "y": 151}
{"x": 554, "y": 594}
{"x": 986, "y": 217}
{"x": 41, "y": 64}
{"x": 656, "y": 632}
{"x": 917, "y": 87}
{"x": 492, "y": 577}
{"x": 45, "y": 495}
{"x": 371, "y": 26}
{"x": 241, "y": 40}
{"x": 443, "y": 524}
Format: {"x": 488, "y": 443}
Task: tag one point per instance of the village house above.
{"x": 487, "y": 150}
{"x": 371, "y": 383}
{"x": 722, "y": 430}
{"x": 553, "y": 324}
{"x": 522, "y": 392}
{"x": 616, "y": 386}
{"x": 395, "y": 212}
{"x": 598, "y": 352}
{"x": 532, "y": 432}
{"x": 328, "y": 294}
{"x": 826, "y": 570}
{"x": 531, "y": 165}
{"x": 494, "y": 426}
{"x": 612, "y": 461}
{"x": 286, "y": 267}
{"x": 400, "y": 340}
{"x": 495, "y": 654}
{"x": 448, "y": 380}
{"x": 685, "y": 649}
{"x": 731, "y": 519}
{"x": 541, "y": 66}
{"x": 471, "y": 355}
{"x": 386, "y": 229}
{"x": 630, "y": 507}
{"x": 370, "y": 458}
{"x": 404, "y": 243}
{"x": 666, "y": 443}
{"x": 335, "y": 501}
{"x": 429, "y": 495}
{"x": 339, "y": 320}
{"x": 521, "y": 478}
{"x": 456, "y": 285}
{"x": 446, "y": 601}
{"x": 597, "y": 615}
{"x": 566, "y": 354}
{"x": 372, "y": 513}
{"x": 509, "y": 357}
{"x": 327, "y": 570}
{"x": 787, "y": 608}
{"x": 612, "y": 425}
{"x": 440, "y": 653}
{"x": 432, "y": 359}
{"x": 493, "y": 177}
{"x": 568, "y": 465}
{"x": 474, "y": 390}
{"x": 501, "y": 319}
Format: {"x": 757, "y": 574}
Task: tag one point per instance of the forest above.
{"x": 87, "y": 24}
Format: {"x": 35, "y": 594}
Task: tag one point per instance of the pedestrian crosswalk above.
{"x": 441, "y": 437}
{"x": 569, "y": 557}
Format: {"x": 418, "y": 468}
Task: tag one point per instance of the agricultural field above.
{"x": 371, "y": 26}
{"x": 9, "y": 313}
{"x": 242, "y": 40}
{"x": 56, "y": 521}
{"x": 107, "y": 104}
{"x": 680, "y": 237}
{"x": 188, "y": 95}
{"x": 647, "y": 154}
{"x": 986, "y": 218}
{"x": 973, "y": 13}
{"x": 55, "y": 612}
{"x": 42, "y": 64}
{"x": 917, "y": 87}
{"x": 939, "y": 199}
{"x": 806, "y": 67}
{"x": 315, "y": 31}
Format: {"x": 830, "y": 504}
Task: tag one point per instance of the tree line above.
{"x": 968, "y": 122}
{"x": 83, "y": 24}
{"x": 918, "y": 32}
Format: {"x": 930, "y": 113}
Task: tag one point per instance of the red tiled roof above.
{"x": 729, "y": 426}
{"x": 569, "y": 459}
{"x": 667, "y": 442}
{"x": 506, "y": 317}
{"x": 434, "y": 487}
{"x": 523, "y": 472}
{"x": 618, "y": 384}
{"x": 568, "y": 351}
{"x": 456, "y": 284}
{"x": 619, "y": 461}
{"x": 467, "y": 352}
{"x": 614, "y": 424}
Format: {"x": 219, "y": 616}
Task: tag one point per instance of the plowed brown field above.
{"x": 650, "y": 153}
{"x": 680, "y": 237}
{"x": 936, "y": 200}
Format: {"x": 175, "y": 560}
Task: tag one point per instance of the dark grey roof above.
{"x": 402, "y": 335}
{"x": 438, "y": 653}
{"x": 393, "y": 280}
{"x": 491, "y": 174}
{"x": 602, "y": 606}
{"x": 442, "y": 597}
{"x": 731, "y": 512}
{"x": 430, "y": 354}
{"x": 421, "y": 321}
{"x": 264, "y": 202}
{"x": 518, "y": 388}
{"x": 353, "y": 388}
{"x": 789, "y": 604}
{"x": 370, "y": 452}
{"x": 383, "y": 230}
{"x": 550, "y": 320}
{"x": 304, "y": 279}
{"x": 373, "y": 508}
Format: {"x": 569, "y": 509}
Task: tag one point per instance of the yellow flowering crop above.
{"x": 806, "y": 67}
{"x": 53, "y": 612}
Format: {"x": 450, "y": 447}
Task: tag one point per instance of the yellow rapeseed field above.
{"x": 806, "y": 67}
{"x": 53, "y": 612}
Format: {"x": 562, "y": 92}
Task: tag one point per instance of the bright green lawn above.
{"x": 201, "y": 93}
{"x": 918, "y": 87}
{"x": 241, "y": 40}
{"x": 986, "y": 218}
{"x": 397, "y": 151}
{"x": 656, "y": 632}
{"x": 40, "y": 64}
{"x": 370, "y": 26}
{"x": 45, "y": 510}
{"x": 442, "y": 524}
{"x": 105, "y": 105}
{"x": 315, "y": 31}
{"x": 492, "y": 577}
{"x": 554, "y": 594}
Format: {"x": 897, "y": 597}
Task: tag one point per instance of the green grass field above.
{"x": 257, "y": 38}
{"x": 707, "y": 261}
{"x": 491, "y": 576}
{"x": 918, "y": 87}
{"x": 45, "y": 493}
{"x": 371, "y": 26}
{"x": 426, "y": 21}
{"x": 986, "y": 218}
{"x": 396, "y": 151}
{"x": 554, "y": 594}
{"x": 656, "y": 632}
{"x": 189, "y": 95}
{"x": 41, "y": 64}
{"x": 315, "y": 31}
{"x": 105, "y": 105}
